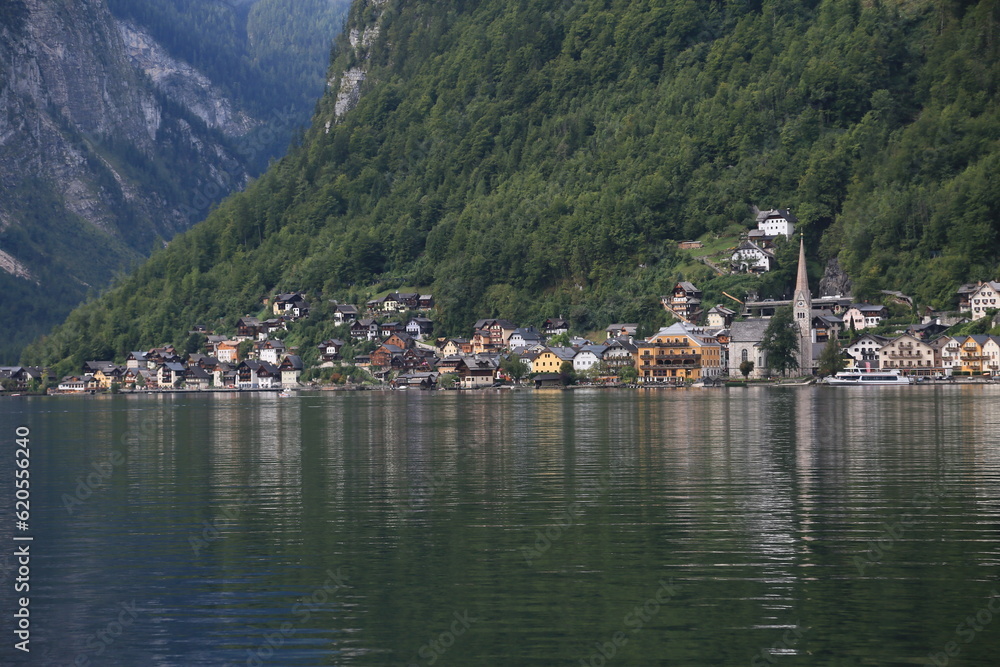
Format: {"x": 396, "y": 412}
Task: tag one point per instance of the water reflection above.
{"x": 757, "y": 504}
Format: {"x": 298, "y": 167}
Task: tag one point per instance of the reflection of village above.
{"x": 701, "y": 346}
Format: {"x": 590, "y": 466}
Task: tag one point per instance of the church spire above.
{"x": 802, "y": 282}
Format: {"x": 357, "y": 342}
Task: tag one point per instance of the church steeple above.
{"x": 802, "y": 311}
{"x": 802, "y": 281}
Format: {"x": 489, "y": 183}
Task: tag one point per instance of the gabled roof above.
{"x": 687, "y": 287}
{"x": 564, "y": 353}
{"x": 776, "y": 213}
{"x": 750, "y": 245}
{"x": 292, "y": 362}
{"x": 988, "y": 283}
{"x": 881, "y": 340}
{"x": 749, "y": 330}
{"x": 336, "y": 342}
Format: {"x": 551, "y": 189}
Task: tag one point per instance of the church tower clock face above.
{"x": 801, "y": 303}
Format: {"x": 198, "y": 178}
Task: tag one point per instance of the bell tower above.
{"x": 802, "y": 312}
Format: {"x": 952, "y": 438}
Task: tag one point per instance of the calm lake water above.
{"x": 793, "y": 526}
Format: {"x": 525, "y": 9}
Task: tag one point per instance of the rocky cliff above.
{"x": 104, "y": 142}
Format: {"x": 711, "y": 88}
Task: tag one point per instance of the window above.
{"x": 745, "y": 355}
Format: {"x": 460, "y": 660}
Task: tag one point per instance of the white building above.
{"x": 865, "y": 350}
{"x": 864, "y": 316}
{"x": 751, "y": 258}
{"x": 588, "y": 357}
{"x": 777, "y": 222}
{"x": 985, "y": 298}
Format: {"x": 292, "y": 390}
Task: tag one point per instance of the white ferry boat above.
{"x": 864, "y": 378}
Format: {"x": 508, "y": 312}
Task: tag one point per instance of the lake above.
{"x": 761, "y": 526}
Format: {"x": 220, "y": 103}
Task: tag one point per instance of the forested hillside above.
{"x": 117, "y": 130}
{"x": 530, "y": 158}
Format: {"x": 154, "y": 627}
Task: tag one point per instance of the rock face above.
{"x": 834, "y": 281}
{"x": 182, "y": 83}
{"x": 348, "y": 83}
{"x": 95, "y": 164}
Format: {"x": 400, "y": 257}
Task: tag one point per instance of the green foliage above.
{"x": 523, "y": 159}
{"x": 628, "y": 375}
{"x": 781, "y": 341}
{"x": 515, "y": 368}
{"x": 746, "y": 368}
{"x": 559, "y": 340}
{"x": 567, "y": 373}
{"x": 831, "y": 361}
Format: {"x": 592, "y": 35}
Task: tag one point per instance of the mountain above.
{"x": 529, "y": 159}
{"x": 112, "y": 141}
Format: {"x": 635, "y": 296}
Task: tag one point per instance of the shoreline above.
{"x": 722, "y": 384}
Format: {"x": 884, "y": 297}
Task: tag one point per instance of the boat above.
{"x": 860, "y": 377}
{"x": 284, "y": 393}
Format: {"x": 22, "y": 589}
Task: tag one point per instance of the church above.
{"x": 802, "y": 314}
{"x": 745, "y": 335}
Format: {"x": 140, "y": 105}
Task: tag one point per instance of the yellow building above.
{"x": 551, "y": 360}
{"x": 677, "y": 354}
{"x": 972, "y": 359}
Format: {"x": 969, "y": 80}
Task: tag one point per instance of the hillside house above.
{"x": 684, "y": 302}
{"x": 985, "y": 298}
{"x": 345, "y": 313}
{"x": 864, "y": 316}
{"x": 329, "y": 350}
{"x": 524, "y": 337}
{"x": 555, "y": 326}
{"x": 719, "y": 316}
{"x": 750, "y": 257}
{"x": 618, "y": 329}
{"x": 419, "y": 327}
{"x": 776, "y": 222}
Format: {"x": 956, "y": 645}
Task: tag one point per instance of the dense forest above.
{"x": 528, "y": 158}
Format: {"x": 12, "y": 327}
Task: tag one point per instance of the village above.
{"x": 392, "y": 343}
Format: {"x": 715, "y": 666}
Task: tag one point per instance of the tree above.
{"x": 243, "y": 349}
{"x": 831, "y": 361}
{"x": 514, "y": 368}
{"x": 447, "y": 381}
{"x": 194, "y": 343}
{"x": 781, "y": 341}
{"x": 559, "y": 340}
{"x": 628, "y": 375}
{"x": 746, "y": 368}
{"x": 566, "y": 373}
